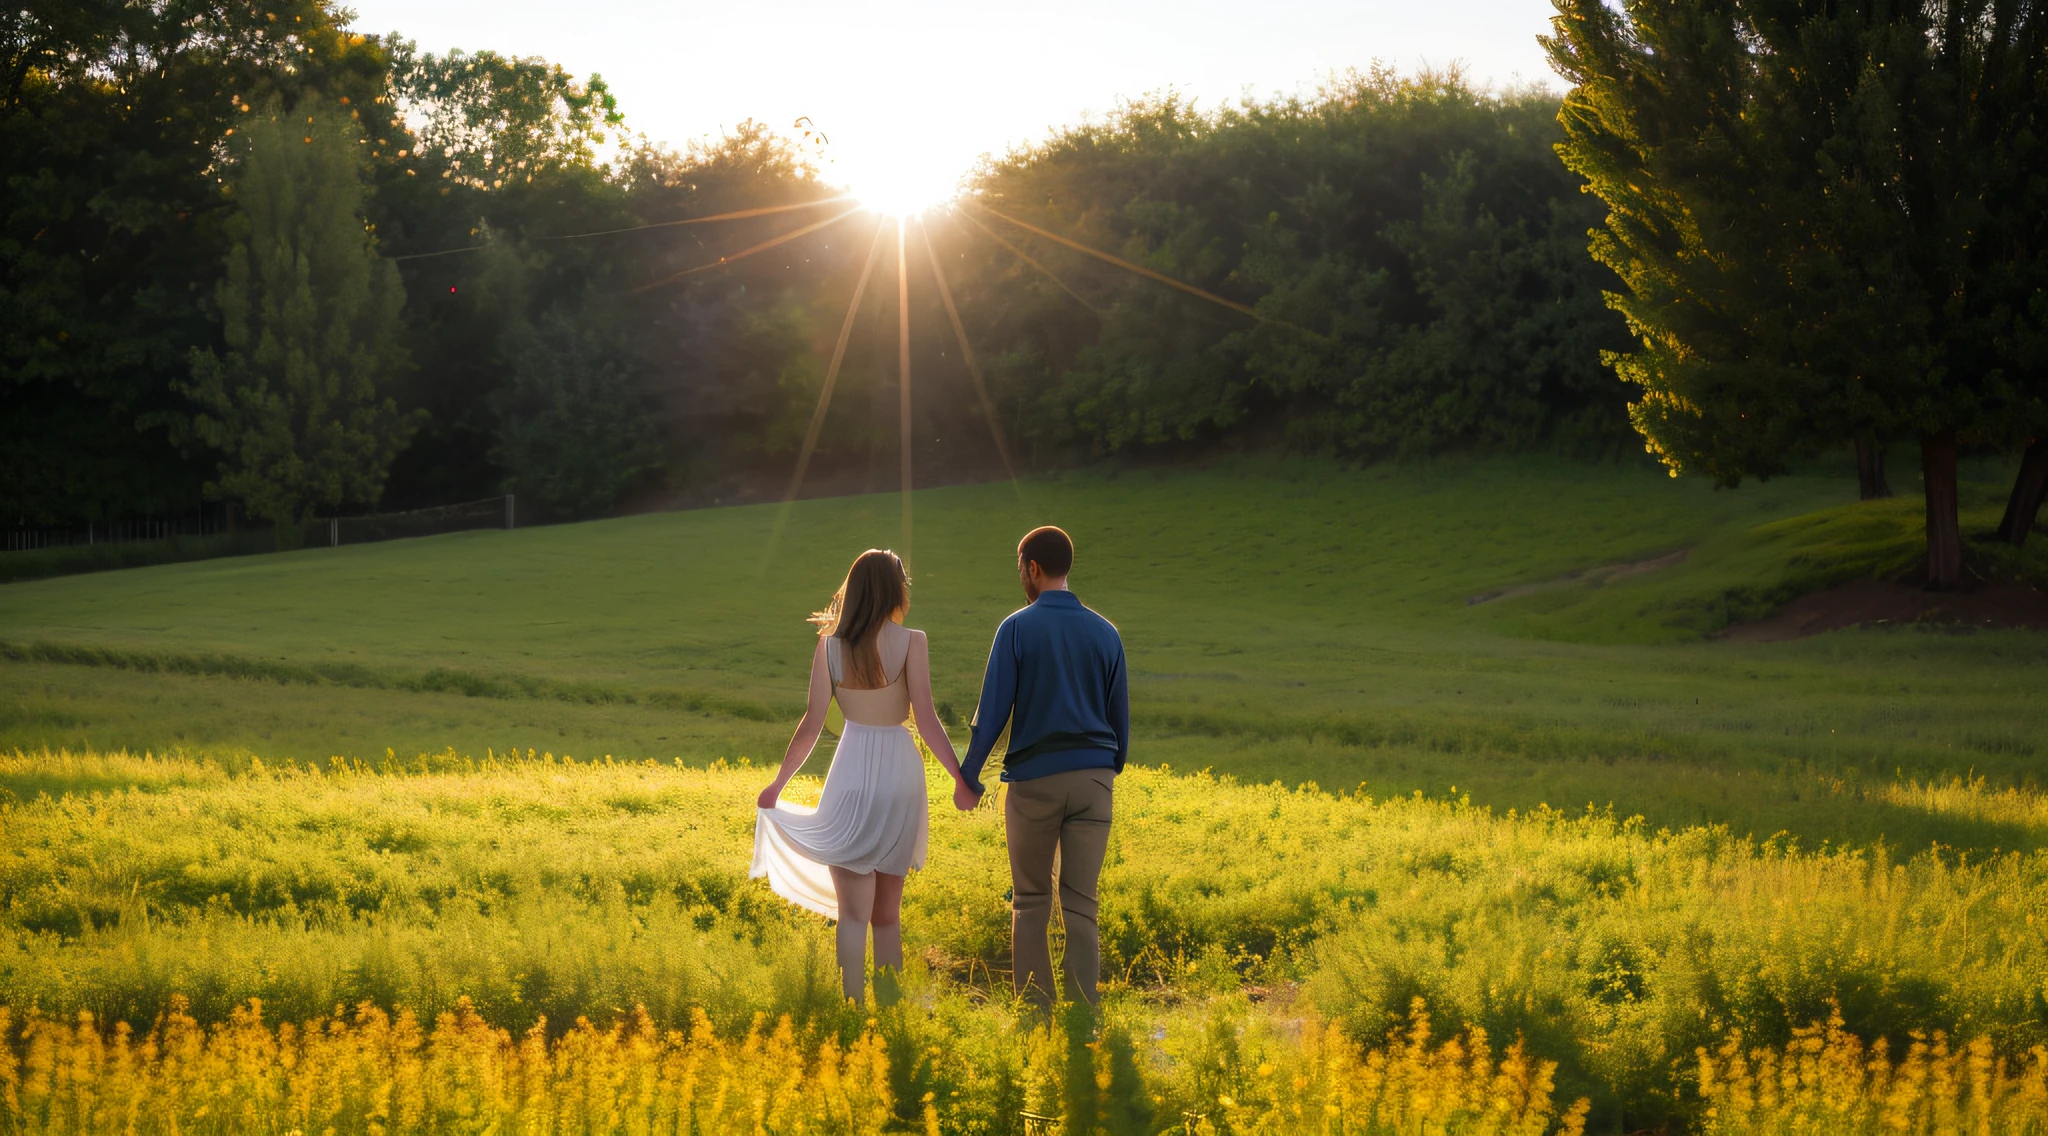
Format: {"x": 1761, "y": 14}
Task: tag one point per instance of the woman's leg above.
{"x": 888, "y": 921}
{"x": 856, "y": 892}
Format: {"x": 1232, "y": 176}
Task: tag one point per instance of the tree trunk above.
{"x": 1944, "y": 528}
{"x": 1870, "y": 469}
{"x": 2027, "y": 490}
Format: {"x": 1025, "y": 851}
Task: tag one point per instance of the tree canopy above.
{"x": 1409, "y": 245}
{"x": 115, "y": 125}
{"x": 297, "y": 403}
{"x": 1828, "y": 223}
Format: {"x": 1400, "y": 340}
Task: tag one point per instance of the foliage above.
{"x": 1410, "y": 244}
{"x": 1828, "y": 1080}
{"x": 1498, "y": 361}
{"x": 310, "y": 313}
{"x": 1828, "y": 223}
{"x": 571, "y": 428}
{"x": 1656, "y": 124}
{"x": 1610, "y": 952}
{"x": 734, "y": 397}
{"x": 489, "y": 119}
{"x": 374, "y": 1071}
{"x": 476, "y": 316}
{"x": 113, "y": 117}
{"x": 123, "y": 120}
{"x": 1429, "y": 301}
{"x": 1414, "y": 1084}
{"x": 371, "y": 1068}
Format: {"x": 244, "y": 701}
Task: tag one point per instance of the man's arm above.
{"x": 1120, "y": 705}
{"x": 998, "y": 694}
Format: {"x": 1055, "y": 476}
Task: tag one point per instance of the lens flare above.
{"x": 900, "y": 197}
{"x": 899, "y": 180}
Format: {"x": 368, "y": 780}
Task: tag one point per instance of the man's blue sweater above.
{"x": 1056, "y": 675}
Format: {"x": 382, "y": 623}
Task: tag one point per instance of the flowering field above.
{"x": 537, "y": 943}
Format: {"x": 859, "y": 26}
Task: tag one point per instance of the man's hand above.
{"x": 964, "y": 796}
{"x": 769, "y": 795}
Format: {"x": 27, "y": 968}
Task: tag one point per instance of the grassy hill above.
{"x": 368, "y": 802}
{"x": 1285, "y": 622}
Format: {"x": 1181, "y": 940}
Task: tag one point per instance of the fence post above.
{"x": 510, "y": 513}
{"x": 334, "y": 532}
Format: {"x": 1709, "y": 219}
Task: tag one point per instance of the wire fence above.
{"x": 489, "y": 513}
{"x": 208, "y": 533}
{"x": 198, "y": 522}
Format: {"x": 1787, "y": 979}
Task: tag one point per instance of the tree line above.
{"x": 254, "y": 255}
{"x": 1412, "y": 249}
{"x": 251, "y": 254}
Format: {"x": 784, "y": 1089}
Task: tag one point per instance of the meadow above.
{"x": 1291, "y": 622}
{"x": 1240, "y": 920}
{"x": 1390, "y": 859}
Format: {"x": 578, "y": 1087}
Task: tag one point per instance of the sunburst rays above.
{"x": 902, "y": 216}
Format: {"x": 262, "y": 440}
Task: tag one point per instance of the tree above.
{"x": 1821, "y": 218}
{"x": 2023, "y": 506}
{"x": 112, "y": 119}
{"x": 310, "y": 322}
{"x": 507, "y": 149}
{"x": 494, "y": 120}
{"x": 1418, "y": 229}
{"x": 572, "y": 428}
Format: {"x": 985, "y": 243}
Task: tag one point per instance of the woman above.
{"x": 846, "y": 859}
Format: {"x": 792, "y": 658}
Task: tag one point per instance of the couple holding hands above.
{"x": 1056, "y": 683}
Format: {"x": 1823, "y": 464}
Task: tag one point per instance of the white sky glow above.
{"x": 911, "y": 93}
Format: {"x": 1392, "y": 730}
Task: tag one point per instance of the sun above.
{"x": 898, "y": 181}
{"x": 900, "y": 199}
{"x": 898, "y": 192}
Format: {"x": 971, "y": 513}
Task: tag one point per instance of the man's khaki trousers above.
{"x": 1068, "y": 814}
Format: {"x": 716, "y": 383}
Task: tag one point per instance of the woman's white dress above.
{"x": 873, "y": 815}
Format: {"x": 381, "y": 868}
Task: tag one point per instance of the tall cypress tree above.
{"x": 310, "y": 321}
{"x": 1825, "y": 217}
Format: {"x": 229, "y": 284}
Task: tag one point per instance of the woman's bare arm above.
{"x": 806, "y": 737}
{"x": 919, "y": 670}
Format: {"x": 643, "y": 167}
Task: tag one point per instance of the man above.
{"x": 1056, "y": 676}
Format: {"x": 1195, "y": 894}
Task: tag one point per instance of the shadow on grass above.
{"x": 1805, "y": 807}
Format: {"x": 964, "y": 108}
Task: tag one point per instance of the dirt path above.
{"x": 1879, "y": 603}
{"x": 1592, "y": 577}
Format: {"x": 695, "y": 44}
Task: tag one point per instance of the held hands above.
{"x": 964, "y": 796}
{"x": 769, "y": 795}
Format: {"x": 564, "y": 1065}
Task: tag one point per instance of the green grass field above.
{"x": 1299, "y": 623}
{"x": 542, "y": 891}
{"x": 364, "y": 796}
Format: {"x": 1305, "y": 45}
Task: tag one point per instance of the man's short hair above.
{"x": 1050, "y": 548}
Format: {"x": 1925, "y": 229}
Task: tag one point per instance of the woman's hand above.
{"x": 964, "y": 796}
{"x": 769, "y": 795}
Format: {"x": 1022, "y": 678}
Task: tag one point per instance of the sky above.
{"x": 908, "y": 95}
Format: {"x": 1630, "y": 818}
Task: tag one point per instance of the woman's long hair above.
{"x": 876, "y": 588}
